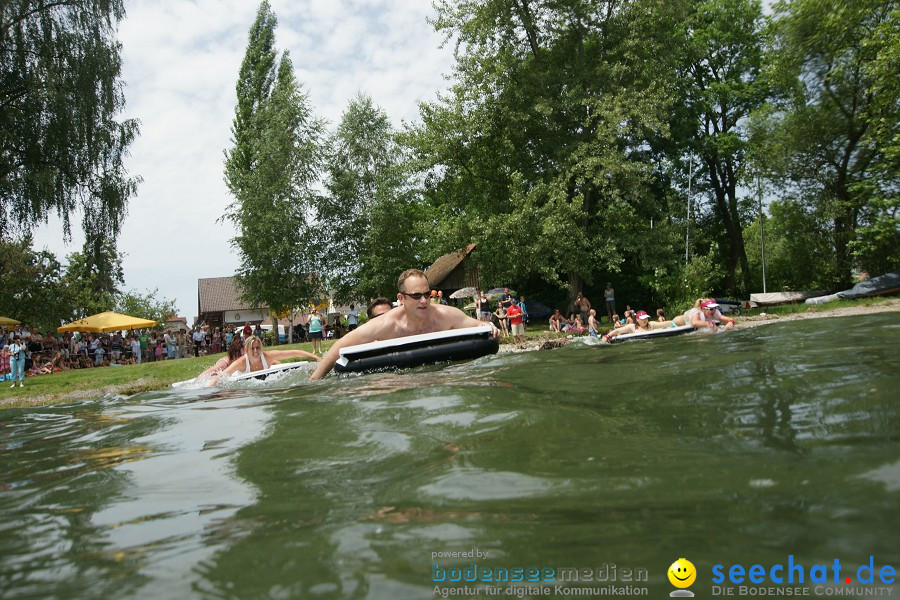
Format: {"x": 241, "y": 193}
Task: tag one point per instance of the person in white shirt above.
{"x": 136, "y": 350}
{"x": 352, "y": 318}
{"x": 198, "y": 336}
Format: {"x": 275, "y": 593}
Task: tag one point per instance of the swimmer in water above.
{"x": 642, "y": 323}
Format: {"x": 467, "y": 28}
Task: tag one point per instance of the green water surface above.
{"x": 743, "y": 447}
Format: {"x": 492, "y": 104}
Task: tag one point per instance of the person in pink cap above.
{"x": 705, "y": 313}
{"x": 642, "y": 323}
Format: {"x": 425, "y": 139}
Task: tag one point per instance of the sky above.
{"x": 180, "y": 64}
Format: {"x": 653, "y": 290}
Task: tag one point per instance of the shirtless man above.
{"x": 415, "y": 315}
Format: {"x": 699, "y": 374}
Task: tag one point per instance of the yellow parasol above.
{"x": 107, "y": 321}
{"x": 8, "y": 321}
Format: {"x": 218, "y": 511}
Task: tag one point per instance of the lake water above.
{"x": 744, "y": 447}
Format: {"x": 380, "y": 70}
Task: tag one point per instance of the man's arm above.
{"x": 363, "y": 334}
{"x": 453, "y": 318}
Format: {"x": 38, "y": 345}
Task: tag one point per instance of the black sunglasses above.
{"x": 418, "y": 295}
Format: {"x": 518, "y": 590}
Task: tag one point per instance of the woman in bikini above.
{"x": 257, "y": 360}
{"x": 237, "y": 350}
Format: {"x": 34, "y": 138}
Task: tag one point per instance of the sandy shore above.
{"x": 550, "y": 341}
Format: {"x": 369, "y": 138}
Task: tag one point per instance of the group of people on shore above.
{"x": 509, "y": 315}
{"x": 26, "y": 352}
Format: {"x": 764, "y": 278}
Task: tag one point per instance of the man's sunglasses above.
{"x": 418, "y": 295}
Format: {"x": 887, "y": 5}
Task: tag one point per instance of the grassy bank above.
{"x": 78, "y": 384}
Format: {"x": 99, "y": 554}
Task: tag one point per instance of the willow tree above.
{"x": 270, "y": 171}
{"x": 61, "y": 147}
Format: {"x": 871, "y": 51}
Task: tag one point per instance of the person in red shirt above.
{"x": 248, "y": 331}
{"x": 515, "y": 314}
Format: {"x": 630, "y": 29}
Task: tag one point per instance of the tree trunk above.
{"x": 575, "y": 285}
{"x": 721, "y": 199}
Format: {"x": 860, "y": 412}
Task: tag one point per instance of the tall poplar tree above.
{"x": 270, "y": 171}
{"x": 61, "y": 148}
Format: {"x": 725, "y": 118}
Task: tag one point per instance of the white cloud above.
{"x": 180, "y": 63}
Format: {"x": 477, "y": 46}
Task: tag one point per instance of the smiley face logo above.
{"x": 682, "y": 573}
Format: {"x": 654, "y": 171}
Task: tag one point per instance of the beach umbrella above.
{"x": 466, "y": 292}
{"x": 8, "y": 321}
{"x": 107, "y": 321}
{"x": 497, "y": 293}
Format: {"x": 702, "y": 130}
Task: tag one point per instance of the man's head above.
{"x": 401, "y": 281}
{"x": 378, "y": 307}
{"x": 413, "y": 291}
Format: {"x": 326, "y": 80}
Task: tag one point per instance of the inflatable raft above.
{"x": 203, "y": 382}
{"x": 274, "y": 369}
{"x": 417, "y": 350}
{"x": 656, "y": 333}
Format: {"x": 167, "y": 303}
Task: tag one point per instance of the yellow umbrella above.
{"x": 8, "y": 321}
{"x": 107, "y": 321}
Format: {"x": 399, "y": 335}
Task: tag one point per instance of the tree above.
{"x": 61, "y": 149}
{"x": 367, "y": 217}
{"x": 540, "y": 150}
{"x": 797, "y": 247}
{"x": 832, "y": 146}
{"x": 145, "y": 305}
{"x": 93, "y": 278}
{"x": 270, "y": 172}
{"x": 719, "y": 86}
{"x": 31, "y": 289}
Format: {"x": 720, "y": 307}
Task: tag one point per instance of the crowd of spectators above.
{"x": 49, "y": 352}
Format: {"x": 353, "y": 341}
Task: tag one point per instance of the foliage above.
{"x": 797, "y": 248}
{"x": 539, "y": 151}
{"x": 831, "y": 149}
{"x": 720, "y": 44}
{"x": 368, "y": 218}
{"x": 270, "y": 171}
{"x": 61, "y": 149}
{"x": 145, "y": 305}
{"x": 93, "y": 278}
{"x": 30, "y": 285}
